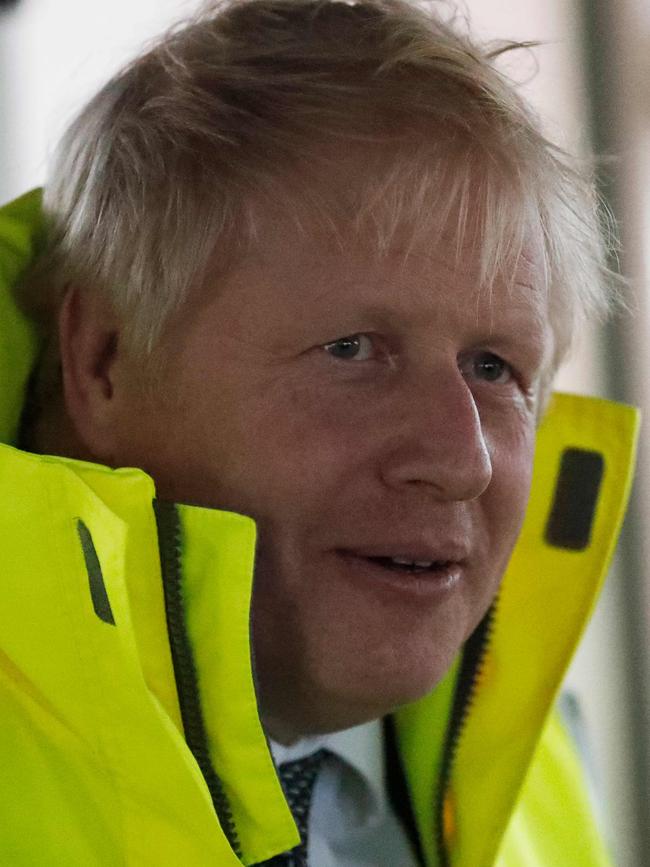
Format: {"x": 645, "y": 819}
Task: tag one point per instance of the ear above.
{"x": 89, "y": 345}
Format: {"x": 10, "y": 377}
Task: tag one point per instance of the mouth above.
{"x": 413, "y": 567}
{"x": 408, "y": 571}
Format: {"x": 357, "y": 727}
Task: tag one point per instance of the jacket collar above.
{"x": 20, "y": 231}
{"x": 207, "y": 560}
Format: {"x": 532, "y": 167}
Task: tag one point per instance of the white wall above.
{"x": 53, "y": 55}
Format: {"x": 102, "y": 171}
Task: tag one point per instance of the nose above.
{"x": 437, "y": 439}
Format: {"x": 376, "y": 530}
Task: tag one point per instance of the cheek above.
{"x": 314, "y": 436}
{"x": 279, "y": 453}
{"x": 512, "y": 473}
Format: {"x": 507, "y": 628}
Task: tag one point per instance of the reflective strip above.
{"x": 576, "y": 496}
{"x": 98, "y": 593}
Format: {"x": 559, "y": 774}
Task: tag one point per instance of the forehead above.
{"x": 293, "y": 278}
{"x": 314, "y": 248}
{"x": 399, "y": 201}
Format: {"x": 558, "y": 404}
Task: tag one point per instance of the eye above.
{"x": 489, "y": 367}
{"x": 355, "y": 347}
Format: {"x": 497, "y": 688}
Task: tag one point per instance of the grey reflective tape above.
{"x": 576, "y": 497}
{"x": 98, "y": 593}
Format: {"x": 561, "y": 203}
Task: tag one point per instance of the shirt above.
{"x": 351, "y": 822}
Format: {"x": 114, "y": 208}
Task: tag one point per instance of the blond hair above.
{"x": 161, "y": 179}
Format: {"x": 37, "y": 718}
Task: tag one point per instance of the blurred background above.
{"x": 590, "y": 82}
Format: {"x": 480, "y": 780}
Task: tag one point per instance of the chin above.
{"x": 380, "y": 691}
{"x": 415, "y": 686}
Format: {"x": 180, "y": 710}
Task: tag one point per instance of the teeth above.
{"x": 421, "y": 564}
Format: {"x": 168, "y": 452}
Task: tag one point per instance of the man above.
{"x": 310, "y": 268}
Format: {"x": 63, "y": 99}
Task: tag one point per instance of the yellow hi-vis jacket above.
{"x": 129, "y": 731}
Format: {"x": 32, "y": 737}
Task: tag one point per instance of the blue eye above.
{"x": 355, "y": 347}
{"x": 491, "y": 368}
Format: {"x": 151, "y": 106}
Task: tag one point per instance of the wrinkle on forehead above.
{"x": 399, "y": 285}
{"x": 396, "y": 205}
{"x": 446, "y": 257}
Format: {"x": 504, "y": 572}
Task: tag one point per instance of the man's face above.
{"x": 378, "y": 422}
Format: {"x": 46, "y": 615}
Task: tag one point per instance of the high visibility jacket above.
{"x": 129, "y": 731}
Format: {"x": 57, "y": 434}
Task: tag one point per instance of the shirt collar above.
{"x": 361, "y": 747}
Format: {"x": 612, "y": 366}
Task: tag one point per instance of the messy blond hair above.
{"x": 160, "y": 181}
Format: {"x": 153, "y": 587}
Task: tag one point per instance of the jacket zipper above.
{"x": 471, "y": 665}
{"x": 169, "y": 542}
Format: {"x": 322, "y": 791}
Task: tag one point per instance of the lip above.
{"x": 444, "y": 552}
{"x": 417, "y": 586}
